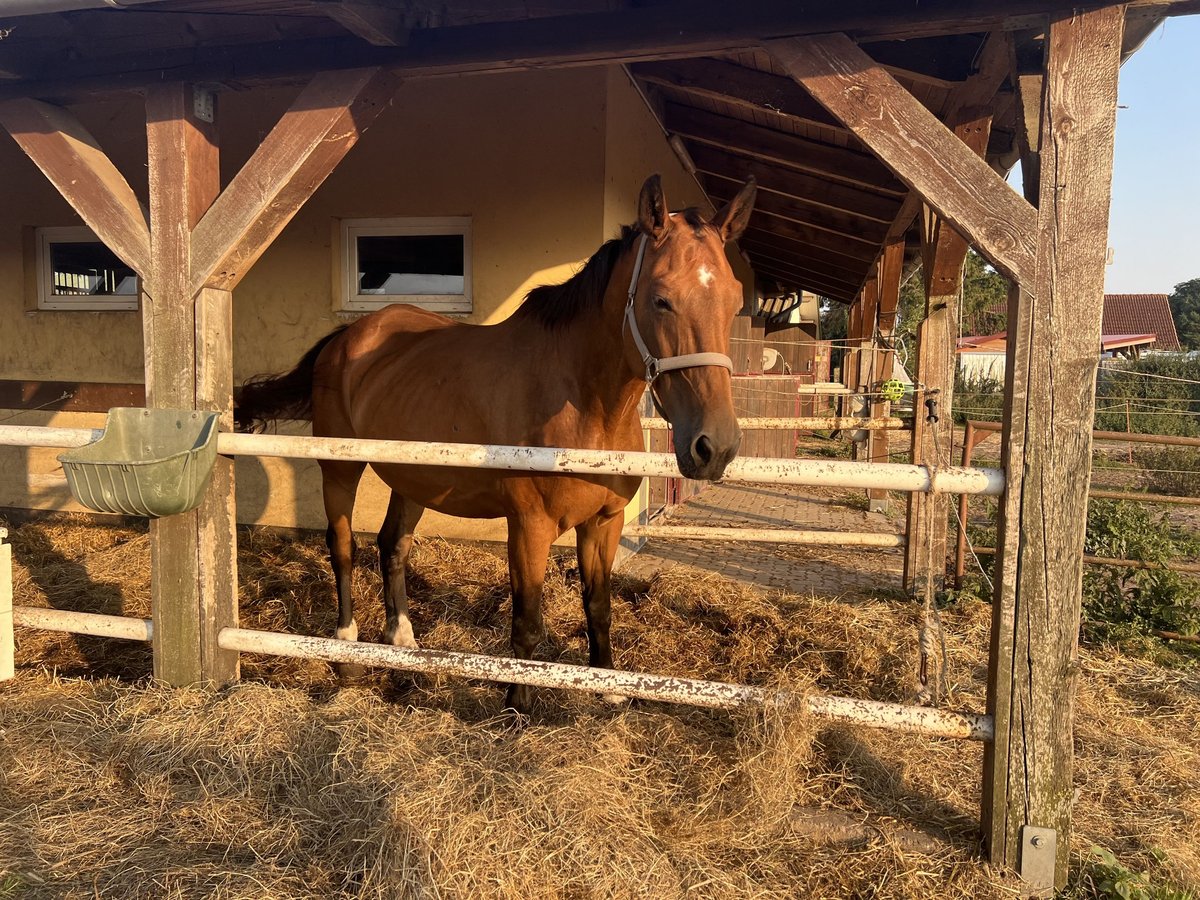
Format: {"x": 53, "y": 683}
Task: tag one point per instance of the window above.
{"x": 425, "y": 262}
{"x": 76, "y": 271}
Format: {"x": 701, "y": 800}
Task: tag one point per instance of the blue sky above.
{"x": 1154, "y": 226}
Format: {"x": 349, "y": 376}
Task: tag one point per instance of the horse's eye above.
{"x": 662, "y": 303}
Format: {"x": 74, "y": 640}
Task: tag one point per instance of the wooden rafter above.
{"x": 853, "y": 228}
{"x": 71, "y": 158}
{"x": 378, "y": 24}
{"x": 782, "y": 248}
{"x": 780, "y": 148}
{"x": 748, "y": 89}
{"x": 311, "y": 138}
{"x": 784, "y": 265}
{"x": 804, "y": 188}
{"x": 916, "y": 146}
{"x": 808, "y": 283}
{"x": 851, "y": 253}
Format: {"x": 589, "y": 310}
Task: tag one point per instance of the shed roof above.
{"x": 826, "y": 206}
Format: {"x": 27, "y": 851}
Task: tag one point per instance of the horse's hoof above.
{"x": 350, "y": 673}
{"x": 516, "y": 700}
{"x": 401, "y": 635}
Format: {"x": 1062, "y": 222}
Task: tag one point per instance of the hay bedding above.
{"x": 287, "y": 786}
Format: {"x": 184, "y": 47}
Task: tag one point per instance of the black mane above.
{"x": 557, "y": 305}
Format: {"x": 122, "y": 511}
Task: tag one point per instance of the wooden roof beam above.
{"x": 71, "y": 158}
{"x": 807, "y": 283}
{"x": 917, "y": 147}
{"x": 724, "y": 188}
{"x": 807, "y": 189}
{"x": 748, "y": 89}
{"x": 377, "y": 24}
{"x": 779, "y": 265}
{"x": 780, "y": 148}
{"x": 774, "y": 245}
{"x": 622, "y": 36}
{"x": 821, "y": 243}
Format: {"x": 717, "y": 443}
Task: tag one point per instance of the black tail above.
{"x": 266, "y": 398}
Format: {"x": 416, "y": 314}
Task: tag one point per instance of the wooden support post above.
{"x": 189, "y": 365}
{"x": 890, "y": 269}
{"x": 865, "y": 353}
{"x": 944, "y": 251}
{"x": 1054, "y": 330}
{"x": 202, "y": 242}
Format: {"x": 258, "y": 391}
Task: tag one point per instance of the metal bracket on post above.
{"x": 1039, "y": 849}
{"x": 203, "y": 104}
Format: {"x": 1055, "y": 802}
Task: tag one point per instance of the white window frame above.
{"x": 347, "y": 298}
{"x": 46, "y": 299}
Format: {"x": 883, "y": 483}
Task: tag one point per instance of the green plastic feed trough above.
{"x": 148, "y": 462}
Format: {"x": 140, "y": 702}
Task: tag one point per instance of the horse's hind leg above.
{"x": 339, "y": 485}
{"x": 395, "y": 542}
{"x": 596, "y": 542}
{"x": 529, "y": 542}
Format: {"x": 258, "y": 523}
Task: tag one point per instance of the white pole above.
{"x": 121, "y": 627}
{"x": 829, "y": 473}
{"x": 766, "y": 535}
{"x": 7, "y": 641}
{"x": 716, "y": 695}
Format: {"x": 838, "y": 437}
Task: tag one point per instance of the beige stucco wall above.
{"x": 546, "y": 164}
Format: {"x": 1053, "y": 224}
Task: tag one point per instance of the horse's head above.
{"x": 683, "y": 297}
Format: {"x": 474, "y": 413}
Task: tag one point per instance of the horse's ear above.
{"x": 653, "y": 218}
{"x": 732, "y": 220}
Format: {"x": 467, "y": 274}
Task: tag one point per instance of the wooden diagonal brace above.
{"x": 311, "y": 138}
{"x": 71, "y": 158}
{"x": 916, "y": 146}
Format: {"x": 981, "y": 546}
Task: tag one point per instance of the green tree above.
{"x": 984, "y": 302}
{"x": 1185, "y": 308}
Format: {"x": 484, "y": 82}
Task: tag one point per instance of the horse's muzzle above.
{"x": 705, "y": 457}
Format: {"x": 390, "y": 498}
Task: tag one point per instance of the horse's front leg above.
{"x": 529, "y": 540}
{"x": 395, "y": 543}
{"x": 596, "y": 542}
{"x": 339, "y": 483}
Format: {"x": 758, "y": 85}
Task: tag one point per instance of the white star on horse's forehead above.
{"x": 705, "y": 275}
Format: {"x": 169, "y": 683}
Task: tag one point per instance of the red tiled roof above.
{"x": 1141, "y": 314}
{"x": 1125, "y": 314}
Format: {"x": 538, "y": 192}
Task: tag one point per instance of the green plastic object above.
{"x": 148, "y": 462}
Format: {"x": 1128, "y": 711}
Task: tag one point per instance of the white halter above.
{"x": 655, "y": 366}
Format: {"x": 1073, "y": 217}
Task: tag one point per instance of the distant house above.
{"x": 1128, "y": 314}
{"x": 1132, "y": 323}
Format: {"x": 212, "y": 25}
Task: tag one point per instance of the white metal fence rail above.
{"x": 922, "y": 720}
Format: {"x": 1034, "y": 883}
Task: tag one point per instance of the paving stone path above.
{"x": 833, "y": 571}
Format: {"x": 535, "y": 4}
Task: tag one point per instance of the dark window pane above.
{"x": 89, "y": 269}
{"x": 410, "y": 264}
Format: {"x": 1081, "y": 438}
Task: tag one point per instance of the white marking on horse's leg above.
{"x": 706, "y": 276}
{"x": 349, "y": 633}
{"x": 402, "y": 634}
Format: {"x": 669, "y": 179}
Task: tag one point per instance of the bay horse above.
{"x": 567, "y": 369}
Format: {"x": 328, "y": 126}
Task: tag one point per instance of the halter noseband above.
{"x": 655, "y": 366}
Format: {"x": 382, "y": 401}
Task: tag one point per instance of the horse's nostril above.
{"x": 702, "y": 450}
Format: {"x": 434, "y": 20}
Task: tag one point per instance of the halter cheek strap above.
{"x": 654, "y": 365}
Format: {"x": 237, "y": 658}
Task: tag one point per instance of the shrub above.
{"x": 1120, "y": 602}
{"x": 1171, "y": 470}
